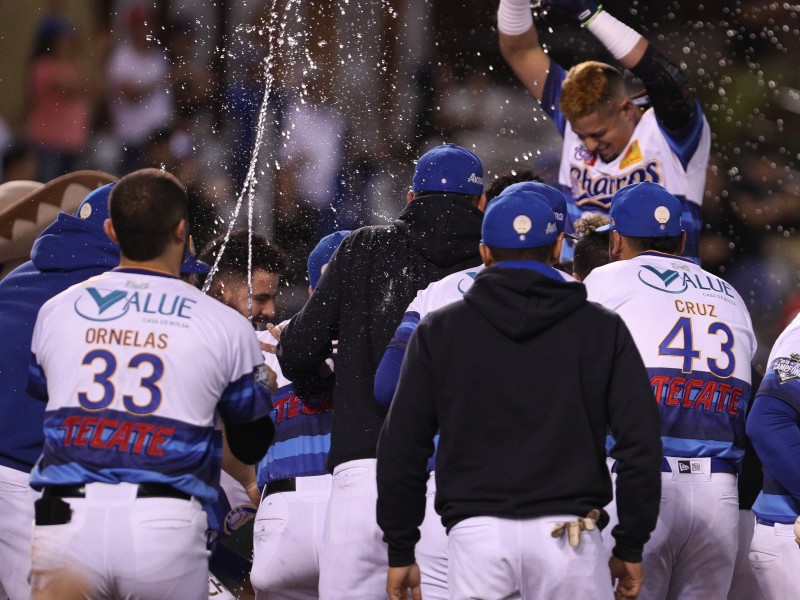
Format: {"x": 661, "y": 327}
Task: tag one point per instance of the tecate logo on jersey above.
{"x": 98, "y": 304}
{"x": 671, "y": 281}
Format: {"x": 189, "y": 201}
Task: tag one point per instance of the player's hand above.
{"x": 628, "y": 578}
{"x": 402, "y": 579}
{"x": 582, "y": 10}
{"x": 797, "y": 531}
{"x": 276, "y": 331}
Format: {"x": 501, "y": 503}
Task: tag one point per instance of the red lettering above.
{"x": 687, "y": 392}
{"x": 158, "y": 439}
{"x": 294, "y": 406}
{"x": 122, "y": 437}
{"x": 84, "y": 429}
{"x": 142, "y": 431}
{"x": 733, "y": 405}
{"x": 97, "y": 438}
{"x": 69, "y": 424}
{"x": 706, "y": 396}
{"x": 280, "y": 405}
{"x": 658, "y": 382}
{"x": 724, "y": 390}
{"x": 675, "y": 389}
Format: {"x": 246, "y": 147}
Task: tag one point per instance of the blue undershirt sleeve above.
{"x": 388, "y": 372}
{"x": 774, "y": 428}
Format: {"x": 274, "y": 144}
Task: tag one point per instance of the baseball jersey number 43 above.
{"x": 684, "y": 328}
{"x": 107, "y": 364}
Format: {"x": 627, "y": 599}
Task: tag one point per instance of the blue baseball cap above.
{"x": 555, "y": 199}
{"x": 191, "y": 264}
{"x": 94, "y": 207}
{"x": 322, "y": 254}
{"x": 449, "y": 168}
{"x": 644, "y": 210}
{"x": 519, "y": 219}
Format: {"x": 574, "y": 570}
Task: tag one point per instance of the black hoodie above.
{"x": 360, "y": 299}
{"x": 522, "y": 379}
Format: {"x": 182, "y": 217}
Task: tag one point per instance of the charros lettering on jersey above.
{"x": 787, "y": 368}
{"x": 590, "y": 187}
{"x": 100, "y": 304}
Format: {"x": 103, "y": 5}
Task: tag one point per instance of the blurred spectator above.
{"x": 171, "y": 149}
{"x": 59, "y": 99}
{"x": 19, "y": 162}
{"x": 296, "y": 225}
{"x": 311, "y": 142}
{"x": 191, "y": 83}
{"x": 138, "y": 87}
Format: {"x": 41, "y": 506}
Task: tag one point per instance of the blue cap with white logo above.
{"x": 449, "y": 168}
{"x": 644, "y": 210}
{"x": 94, "y": 207}
{"x": 322, "y": 254}
{"x": 555, "y": 199}
{"x": 519, "y": 219}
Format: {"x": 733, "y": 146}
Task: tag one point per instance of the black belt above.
{"x": 280, "y": 485}
{"x": 145, "y": 490}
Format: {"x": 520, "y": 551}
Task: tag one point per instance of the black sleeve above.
{"x": 404, "y": 445}
{"x": 635, "y": 425}
{"x": 305, "y": 343}
{"x": 673, "y": 100}
{"x": 249, "y": 441}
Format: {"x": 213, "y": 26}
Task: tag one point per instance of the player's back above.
{"x": 696, "y": 339}
{"x": 136, "y": 364}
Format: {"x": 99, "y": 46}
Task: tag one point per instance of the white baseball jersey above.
{"x": 134, "y": 365}
{"x": 696, "y": 339}
{"x": 678, "y": 165}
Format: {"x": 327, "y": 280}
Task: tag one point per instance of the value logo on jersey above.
{"x": 99, "y": 304}
{"x": 787, "y": 369}
{"x": 671, "y": 281}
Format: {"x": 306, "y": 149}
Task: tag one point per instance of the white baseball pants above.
{"x": 119, "y": 546}
{"x": 354, "y": 559}
{"x": 287, "y": 538}
{"x": 691, "y": 553}
{"x": 16, "y": 529}
{"x": 743, "y": 584}
{"x": 775, "y": 559}
{"x": 431, "y": 550}
{"x": 493, "y": 558}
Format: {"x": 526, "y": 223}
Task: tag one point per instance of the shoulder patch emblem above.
{"x": 633, "y": 155}
{"x": 787, "y": 369}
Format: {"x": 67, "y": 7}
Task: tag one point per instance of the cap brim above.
{"x": 192, "y": 265}
{"x": 603, "y": 228}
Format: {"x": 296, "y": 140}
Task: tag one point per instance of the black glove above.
{"x": 582, "y": 10}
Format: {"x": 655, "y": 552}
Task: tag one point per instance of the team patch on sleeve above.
{"x": 786, "y": 368}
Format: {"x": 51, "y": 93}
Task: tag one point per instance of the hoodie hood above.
{"x": 520, "y": 303}
{"x": 70, "y": 244}
{"x": 444, "y": 228}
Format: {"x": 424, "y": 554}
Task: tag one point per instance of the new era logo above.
{"x": 684, "y": 466}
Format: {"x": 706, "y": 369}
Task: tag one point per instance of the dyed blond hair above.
{"x": 590, "y": 87}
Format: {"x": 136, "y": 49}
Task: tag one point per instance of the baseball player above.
{"x": 68, "y": 251}
{"x": 610, "y": 141}
{"x": 359, "y": 300}
{"x": 773, "y": 427}
{"x": 239, "y": 495}
{"x": 287, "y": 535}
{"x": 134, "y": 364}
{"x": 505, "y": 504}
{"x": 432, "y": 547}
{"x": 591, "y": 249}
{"x": 695, "y": 336}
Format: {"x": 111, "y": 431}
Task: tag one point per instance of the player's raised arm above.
{"x": 520, "y": 47}
{"x": 673, "y": 101}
